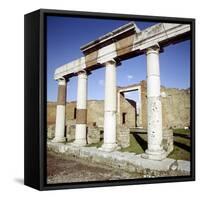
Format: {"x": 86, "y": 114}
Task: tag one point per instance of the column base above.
{"x": 109, "y": 147}
{"x": 79, "y": 143}
{"x": 59, "y": 140}
{"x": 155, "y": 155}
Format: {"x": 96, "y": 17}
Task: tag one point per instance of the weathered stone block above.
{"x": 123, "y": 136}
{"x": 183, "y": 166}
{"x": 51, "y": 131}
{"x": 168, "y": 142}
{"x": 93, "y": 135}
{"x": 70, "y": 134}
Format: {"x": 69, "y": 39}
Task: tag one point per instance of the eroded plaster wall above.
{"x": 175, "y": 107}
{"x": 95, "y": 113}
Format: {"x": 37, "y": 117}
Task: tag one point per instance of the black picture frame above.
{"x": 35, "y": 88}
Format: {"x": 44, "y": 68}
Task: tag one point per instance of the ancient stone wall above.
{"x": 51, "y": 113}
{"x": 175, "y": 110}
{"x": 95, "y": 112}
{"x": 176, "y": 107}
{"x": 143, "y": 112}
{"x": 127, "y": 114}
{"x": 123, "y": 136}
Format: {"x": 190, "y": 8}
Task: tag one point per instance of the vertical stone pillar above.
{"x": 110, "y": 107}
{"x": 60, "y": 112}
{"x": 81, "y": 115}
{"x": 139, "y": 109}
{"x": 154, "y": 108}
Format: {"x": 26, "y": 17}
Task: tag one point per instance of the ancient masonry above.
{"x": 175, "y": 106}
{"x": 107, "y": 51}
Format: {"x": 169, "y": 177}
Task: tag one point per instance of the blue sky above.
{"x": 65, "y": 36}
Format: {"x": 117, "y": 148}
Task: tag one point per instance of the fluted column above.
{"x": 60, "y": 112}
{"x": 154, "y": 108}
{"x": 81, "y": 115}
{"x": 110, "y": 107}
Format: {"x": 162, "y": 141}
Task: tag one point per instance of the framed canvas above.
{"x": 109, "y": 99}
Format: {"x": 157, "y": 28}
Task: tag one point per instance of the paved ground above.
{"x": 63, "y": 170}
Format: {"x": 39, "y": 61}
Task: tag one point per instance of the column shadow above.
{"x": 182, "y": 146}
{"x": 181, "y": 135}
{"x": 140, "y": 141}
{"x": 101, "y": 135}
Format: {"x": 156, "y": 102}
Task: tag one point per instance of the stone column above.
{"x": 81, "y": 115}
{"x": 139, "y": 108}
{"x": 110, "y": 107}
{"x": 60, "y": 112}
{"x": 154, "y": 108}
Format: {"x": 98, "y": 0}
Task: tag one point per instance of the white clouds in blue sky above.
{"x": 129, "y": 77}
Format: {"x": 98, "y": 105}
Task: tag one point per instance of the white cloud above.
{"x": 129, "y": 77}
{"x": 101, "y": 82}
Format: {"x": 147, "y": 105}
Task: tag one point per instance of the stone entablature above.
{"x": 129, "y": 42}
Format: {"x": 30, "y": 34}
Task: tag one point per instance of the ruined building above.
{"x": 109, "y": 51}
{"x": 175, "y": 106}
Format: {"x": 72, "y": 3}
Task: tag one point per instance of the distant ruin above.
{"x": 175, "y": 106}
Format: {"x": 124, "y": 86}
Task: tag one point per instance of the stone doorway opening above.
{"x": 129, "y": 106}
{"x": 133, "y": 99}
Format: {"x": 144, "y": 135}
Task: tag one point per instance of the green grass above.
{"x": 181, "y": 131}
{"x": 179, "y": 139}
{"x": 134, "y": 146}
{"x": 179, "y": 152}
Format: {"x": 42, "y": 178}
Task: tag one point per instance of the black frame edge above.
{"x": 31, "y": 99}
{"x": 192, "y": 99}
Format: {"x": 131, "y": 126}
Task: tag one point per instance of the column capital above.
{"x": 113, "y": 61}
{"x": 84, "y": 72}
{"x": 62, "y": 81}
{"x": 153, "y": 49}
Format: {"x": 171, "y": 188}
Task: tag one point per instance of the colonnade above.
{"x": 154, "y": 107}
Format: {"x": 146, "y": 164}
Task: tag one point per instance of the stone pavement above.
{"x": 130, "y": 162}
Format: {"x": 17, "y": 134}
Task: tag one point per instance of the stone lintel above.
{"x": 111, "y": 36}
{"x": 129, "y": 88}
{"x": 125, "y": 46}
{"x": 70, "y": 68}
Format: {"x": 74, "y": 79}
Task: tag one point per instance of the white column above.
{"x": 60, "y": 112}
{"x": 110, "y": 107}
{"x": 154, "y": 108}
{"x": 139, "y": 108}
{"x": 81, "y": 116}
